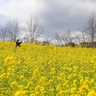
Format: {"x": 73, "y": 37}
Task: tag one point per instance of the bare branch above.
{"x": 34, "y": 28}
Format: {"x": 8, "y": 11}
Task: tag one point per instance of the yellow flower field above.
{"x": 37, "y": 70}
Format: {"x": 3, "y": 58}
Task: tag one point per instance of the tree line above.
{"x": 86, "y": 38}
{"x": 12, "y": 30}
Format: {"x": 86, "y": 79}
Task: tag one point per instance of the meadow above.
{"x": 37, "y": 70}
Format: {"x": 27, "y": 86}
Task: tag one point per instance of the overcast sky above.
{"x": 55, "y": 15}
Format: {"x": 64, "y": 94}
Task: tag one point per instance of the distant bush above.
{"x": 46, "y": 42}
{"x": 71, "y": 44}
{"x": 87, "y": 44}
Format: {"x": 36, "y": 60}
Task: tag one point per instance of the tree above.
{"x": 65, "y": 38}
{"x": 58, "y": 39}
{"x": 13, "y": 29}
{"x": 34, "y": 28}
{"x": 26, "y": 35}
{"x": 3, "y": 33}
{"x": 68, "y": 37}
{"x": 91, "y": 28}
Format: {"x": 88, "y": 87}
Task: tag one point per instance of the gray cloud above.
{"x": 63, "y": 15}
{"x": 55, "y": 15}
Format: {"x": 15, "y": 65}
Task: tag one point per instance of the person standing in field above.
{"x": 18, "y": 43}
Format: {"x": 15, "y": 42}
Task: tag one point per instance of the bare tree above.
{"x": 34, "y": 28}
{"x": 13, "y": 29}
{"x": 68, "y": 37}
{"x": 58, "y": 39}
{"x": 26, "y": 35}
{"x": 65, "y": 38}
{"x": 83, "y": 35}
{"x": 91, "y": 28}
{"x": 3, "y": 33}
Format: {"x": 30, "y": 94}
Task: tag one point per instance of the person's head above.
{"x": 17, "y": 39}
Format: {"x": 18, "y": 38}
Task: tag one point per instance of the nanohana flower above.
{"x": 9, "y": 60}
{"x": 91, "y": 93}
{"x": 32, "y": 95}
{"x": 20, "y": 93}
{"x": 36, "y": 70}
{"x": 73, "y": 90}
{"x": 42, "y": 80}
{"x": 39, "y": 89}
{"x": 93, "y": 59}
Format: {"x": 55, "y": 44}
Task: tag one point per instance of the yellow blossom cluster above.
{"x": 37, "y": 70}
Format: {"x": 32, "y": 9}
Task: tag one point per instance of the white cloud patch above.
{"x": 21, "y": 9}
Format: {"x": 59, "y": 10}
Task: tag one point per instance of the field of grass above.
{"x": 37, "y": 70}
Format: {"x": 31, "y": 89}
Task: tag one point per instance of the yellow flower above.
{"x": 51, "y": 81}
{"x": 91, "y": 93}
{"x": 32, "y": 94}
{"x": 1, "y": 94}
{"x": 20, "y": 87}
{"x": 39, "y": 89}
{"x": 21, "y": 77}
{"x": 62, "y": 92}
{"x": 92, "y": 81}
{"x": 29, "y": 85}
{"x": 20, "y": 93}
{"x": 36, "y": 72}
{"x": 9, "y": 60}
{"x": 14, "y": 85}
{"x": 42, "y": 80}
{"x": 78, "y": 94}
{"x": 93, "y": 59}
{"x": 58, "y": 87}
{"x": 73, "y": 90}
{"x": 53, "y": 70}
{"x": 2, "y": 76}
{"x": 81, "y": 81}
{"x": 82, "y": 91}
{"x": 63, "y": 71}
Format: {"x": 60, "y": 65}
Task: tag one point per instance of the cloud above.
{"x": 21, "y": 9}
{"x": 63, "y": 15}
{"x": 55, "y": 15}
